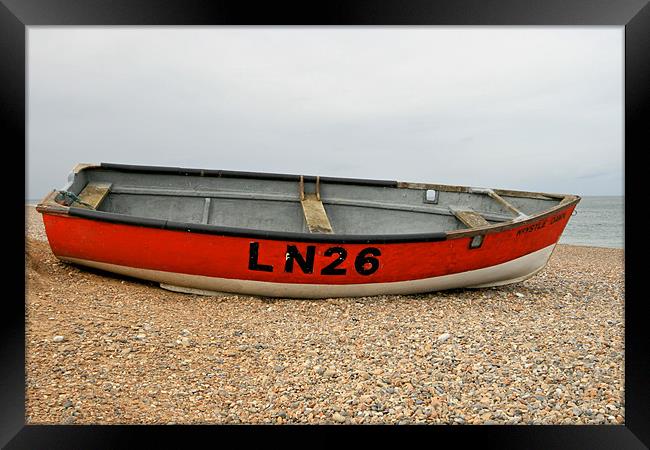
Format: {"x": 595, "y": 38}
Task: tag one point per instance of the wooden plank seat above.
{"x": 313, "y": 210}
{"x": 93, "y": 194}
{"x": 315, "y": 215}
{"x": 469, "y": 218}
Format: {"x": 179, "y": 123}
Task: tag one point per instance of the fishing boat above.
{"x": 209, "y": 231}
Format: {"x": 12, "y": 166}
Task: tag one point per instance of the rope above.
{"x": 69, "y": 198}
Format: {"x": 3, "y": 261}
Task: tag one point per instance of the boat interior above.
{"x": 302, "y": 204}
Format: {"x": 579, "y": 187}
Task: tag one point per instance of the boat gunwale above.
{"x": 48, "y": 206}
{"x": 218, "y": 173}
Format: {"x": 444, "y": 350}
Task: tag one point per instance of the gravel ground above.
{"x": 107, "y": 350}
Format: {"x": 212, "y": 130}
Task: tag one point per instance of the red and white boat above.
{"x": 206, "y": 231}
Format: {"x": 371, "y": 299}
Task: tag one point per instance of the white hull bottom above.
{"x": 512, "y": 271}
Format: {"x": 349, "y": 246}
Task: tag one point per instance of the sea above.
{"x": 596, "y": 222}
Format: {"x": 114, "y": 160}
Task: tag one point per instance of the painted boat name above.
{"x": 540, "y": 225}
{"x": 365, "y": 263}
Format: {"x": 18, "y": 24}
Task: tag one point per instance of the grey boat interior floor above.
{"x": 298, "y": 206}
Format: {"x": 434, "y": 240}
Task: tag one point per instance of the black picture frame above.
{"x": 16, "y": 15}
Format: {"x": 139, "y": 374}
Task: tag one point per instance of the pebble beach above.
{"x": 103, "y": 349}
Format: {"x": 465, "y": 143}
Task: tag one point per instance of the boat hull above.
{"x": 306, "y": 269}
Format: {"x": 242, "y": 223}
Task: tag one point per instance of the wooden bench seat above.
{"x": 469, "y": 218}
{"x": 313, "y": 209}
{"x": 93, "y": 194}
{"x": 315, "y": 214}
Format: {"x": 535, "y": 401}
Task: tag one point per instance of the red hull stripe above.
{"x": 281, "y": 261}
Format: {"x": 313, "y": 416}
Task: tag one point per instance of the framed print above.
{"x": 213, "y": 235}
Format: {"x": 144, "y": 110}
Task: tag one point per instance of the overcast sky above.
{"x": 532, "y": 108}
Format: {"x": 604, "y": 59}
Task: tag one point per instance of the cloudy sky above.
{"x": 532, "y": 108}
